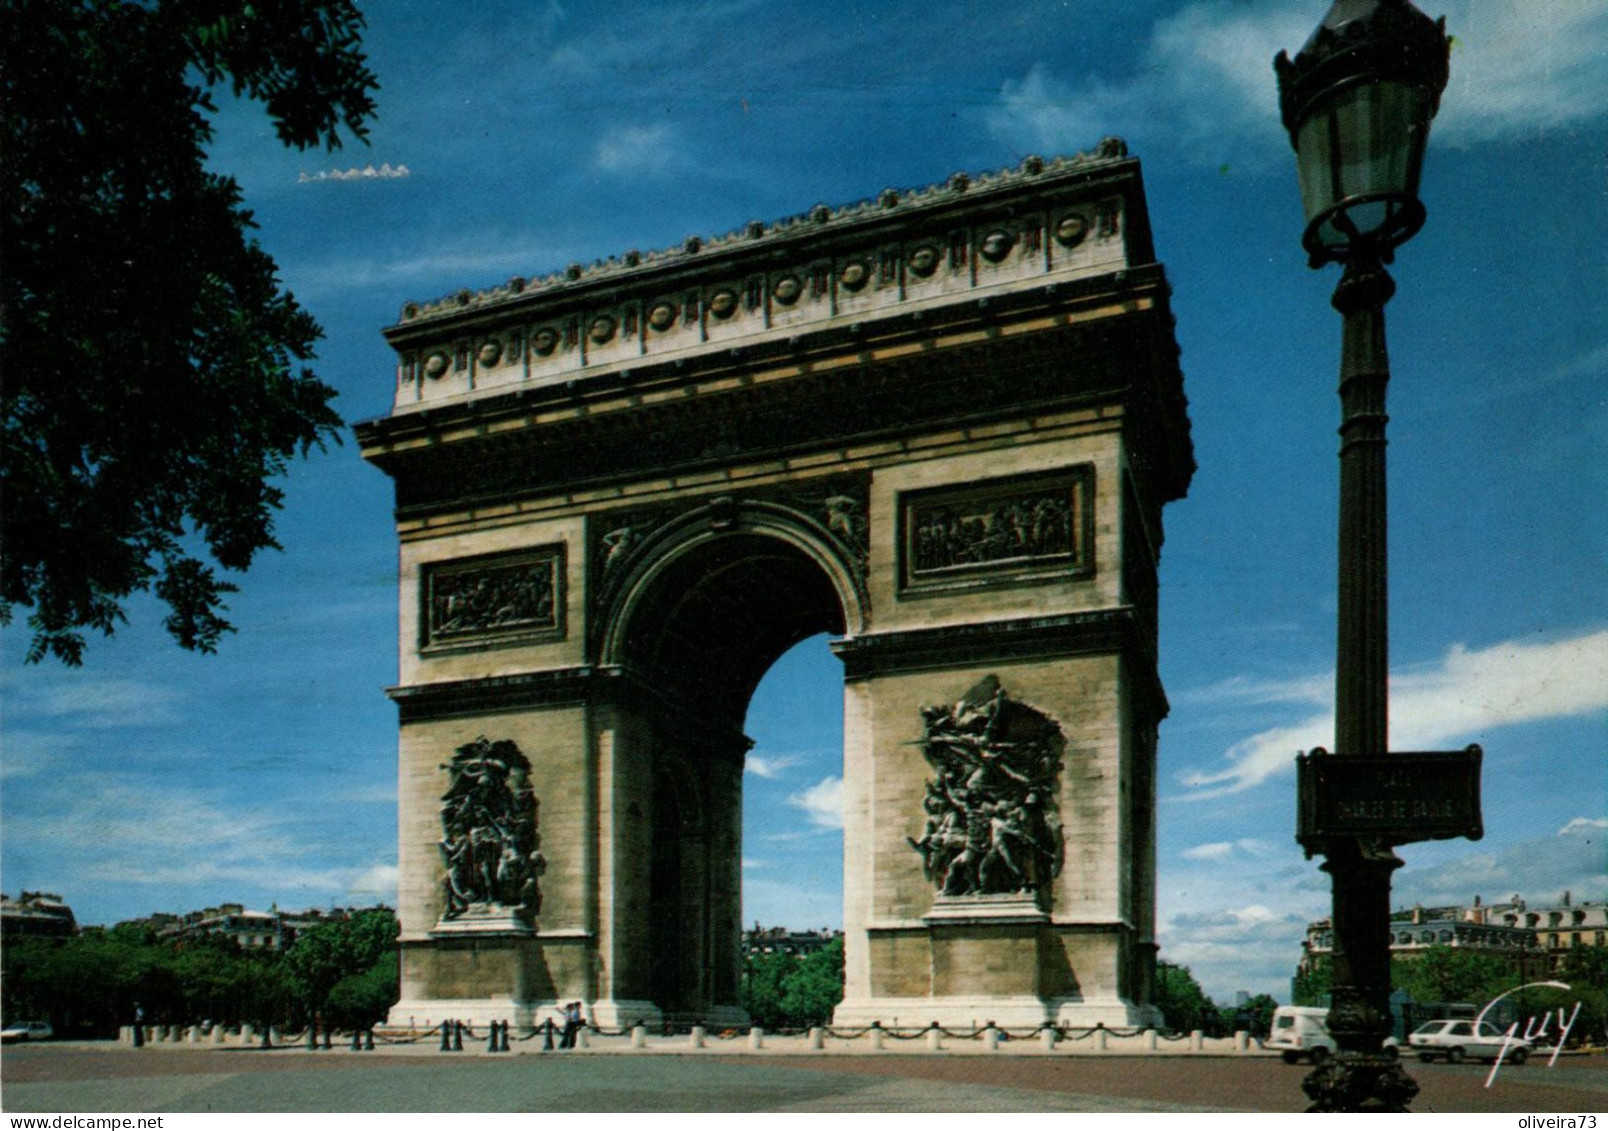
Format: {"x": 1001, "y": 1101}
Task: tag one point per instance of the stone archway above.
{"x": 699, "y": 606}
{"x": 940, "y": 425}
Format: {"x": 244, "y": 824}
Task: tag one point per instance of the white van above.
{"x": 1302, "y": 1031}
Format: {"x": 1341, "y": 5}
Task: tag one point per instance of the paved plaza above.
{"x": 97, "y": 1077}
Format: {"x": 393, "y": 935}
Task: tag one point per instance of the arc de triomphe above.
{"x": 940, "y": 425}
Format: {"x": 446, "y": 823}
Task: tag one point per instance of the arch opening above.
{"x": 699, "y": 632}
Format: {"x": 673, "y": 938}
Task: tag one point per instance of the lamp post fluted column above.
{"x": 1362, "y": 662}
{"x": 1360, "y": 869}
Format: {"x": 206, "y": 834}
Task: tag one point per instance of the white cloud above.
{"x": 1206, "y": 81}
{"x": 766, "y": 766}
{"x": 1583, "y": 823}
{"x": 386, "y": 172}
{"x": 1206, "y": 78}
{"x": 78, "y": 697}
{"x": 373, "y": 793}
{"x": 1246, "y": 948}
{"x": 373, "y": 885}
{"x": 1463, "y": 696}
{"x": 636, "y": 149}
{"x": 822, "y": 802}
{"x": 800, "y": 906}
{"x": 1575, "y": 859}
{"x": 100, "y": 832}
{"x": 1222, "y": 850}
{"x": 1520, "y": 68}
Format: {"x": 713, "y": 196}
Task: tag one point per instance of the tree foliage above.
{"x": 785, "y": 991}
{"x": 1256, "y": 1015}
{"x": 90, "y": 984}
{"x": 1311, "y": 983}
{"x": 1445, "y": 973}
{"x": 153, "y": 368}
{"x": 324, "y": 956}
{"x": 1184, "y": 1005}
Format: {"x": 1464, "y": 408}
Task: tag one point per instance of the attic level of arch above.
{"x": 1077, "y": 221}
{"x": 1106, "y": 341}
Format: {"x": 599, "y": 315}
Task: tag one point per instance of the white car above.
{"x": 26, "y": 1031}
{"x": 1457, "y": 1040}
{"x": 1302, "y": 1032}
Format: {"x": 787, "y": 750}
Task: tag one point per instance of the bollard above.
{"x": 1242, "y": 1040}
{"x": 876, "y": 1036}
{"x": 697, "y": 1037}
{"x": 1100, "y": 1037}
{"x": 935, "y": 1038}
{"x": 756, "y": 1038}
{"x": 194, "y": 1036}
{"x": 1150, "y": 1040}
{"x": 583, "y": 1037}
{"x": 457, "y": 1036}
{"x": 817, "y": 1038}
{"x": 248, "y": 1033}
{"x": 547, "y": 1036}
{"x": 639, "y": 1036}
{"x": 267, "y": 1036}
{"x": 1197, "y": 1040}
{"x": 218, "y": 1035}
{"x": 991, "y": 1038}
{"x": 446, "y": 1036}
{"x": 492, "y": 1044}
{"x": 1048, "y": 1037}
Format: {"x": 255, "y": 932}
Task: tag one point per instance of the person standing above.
{"x": 572, "y": 1025}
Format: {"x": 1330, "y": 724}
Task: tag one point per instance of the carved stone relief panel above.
{"x": 490, "y": 843}
{"x": 993, "y": 822}
{"x": 494, "y": 599}
{"x": 1004, "y": 531}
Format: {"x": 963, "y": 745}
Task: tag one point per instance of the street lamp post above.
{"x": 1358, "y": 100}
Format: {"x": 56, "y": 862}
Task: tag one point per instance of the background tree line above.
{"x": 1185, "y": 1007}
{"x": 786, "y": 991}
{"x": 1444, "y": 974}
{"x": 343, "y": 969}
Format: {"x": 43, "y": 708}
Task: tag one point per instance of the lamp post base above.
{"x": 1354, "y": 1081}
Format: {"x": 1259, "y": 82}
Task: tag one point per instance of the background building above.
{"x": 1535, "y": 939}
{"x": 36, "y": 914}
{"x": 784, "y": 940}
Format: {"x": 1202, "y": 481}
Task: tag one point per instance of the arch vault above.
{"x": 941, "y": 426}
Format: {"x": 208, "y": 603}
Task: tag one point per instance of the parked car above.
{"x": 1301, "y": 1032}
{"x": 26, "y": 1031}
{"x": 1455, "y": 1040}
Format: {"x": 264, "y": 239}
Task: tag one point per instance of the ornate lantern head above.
{"x": 1358, "y": 99}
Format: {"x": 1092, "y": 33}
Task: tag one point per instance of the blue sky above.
{"x": 521, "y": 137}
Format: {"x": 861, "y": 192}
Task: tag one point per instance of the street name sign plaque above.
{"x": 1397, "y": 798}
